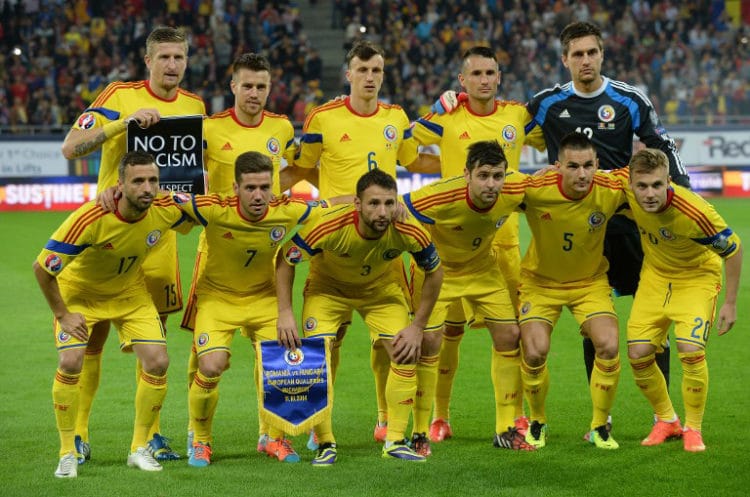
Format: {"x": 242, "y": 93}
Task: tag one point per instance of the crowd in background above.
{"x": 685, "y": 55}
{"x": 56, "y": 56}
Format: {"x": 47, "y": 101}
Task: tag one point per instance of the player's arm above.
{"x": 425, "y": 164}
{"x": 728, "y": 312}
{"x": 291, "y": 175}
{"x": 71, "y": 323}
{"x": 407, "y": 344}
{"x": 80, "y": 142}
{"x": 286, "y": 325}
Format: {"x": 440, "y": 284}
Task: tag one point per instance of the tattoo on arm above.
{"x": 89, "y": 146}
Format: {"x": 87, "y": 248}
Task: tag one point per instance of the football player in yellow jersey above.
{"x": 102, "y": 254}
{"x": 242, "y": 235}
{"x": 479, "y": 116}
{"x": 463, "y": 214}
{"x": 103, "y": 125}
{"x": 346, "y": 138}
{"x": 567, "y": 210}
{"x": 354, "y": 247}
{"x": 243, "y": 127}
{"x": 684, "y": 241}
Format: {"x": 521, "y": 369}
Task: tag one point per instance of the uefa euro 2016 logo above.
{"x": 606, "y": 113}
{"x": 63, "y": 337}
{"x": 53, "y": 263}
{"x": 294, "y": 357}
{"x": 273, "y": 146}
{"x": 390, "y": 133}
{"x": 153, "y": 238}
{"x": 202, "y": 339}
{"x": 293, "y": 255}
{"x": 86, "y": 120}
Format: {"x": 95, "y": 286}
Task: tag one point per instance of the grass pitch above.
{"x": 466, "y": 465}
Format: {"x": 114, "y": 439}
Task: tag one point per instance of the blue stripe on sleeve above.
{"x": 303, "y": 245}
{"x": 312, "y": 138}
{"x": 112, "y": 115}
{"x": 420, "y": 217}
{"x": 435, "y": 128}
{"x": 65, "y": 248}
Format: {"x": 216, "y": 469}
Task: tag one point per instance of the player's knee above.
{"x": 639, "y": 351}
{"x": 431, "y": 343}
{"x": 534, "y": 357}
{"x": 608, "y": 349}
{"x": 157, "y": 364}
{"x": 71, "y": 362}
{"x": 211, "y": 367}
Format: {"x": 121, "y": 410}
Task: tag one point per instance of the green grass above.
{"x": 466, "y": 465}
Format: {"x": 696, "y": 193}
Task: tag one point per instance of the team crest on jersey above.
{"x": 510, "y": 133}
{"x": 153, "y": 238}
{"x": 390, "y": 133}
{"x": 293, "y": 255}
{"x": 273, "y": 146}
{"x": 666, "y": 234}
{"x": 606, "y": 113}
{"x": 525, "y": 308}
{"x": 596, "y": 220}
{"x": 181, "y": 198}
{"x": 277, "y": 233}
{"x": 86, "y": 120}
{"x": 202, "y": 339}
{"x": 294, "y": 357}
{"x": 501, "y": 221}
{"x": 311, "y": 324}
{"x": 53, "y": 263}
{"x": 391, "y": 254}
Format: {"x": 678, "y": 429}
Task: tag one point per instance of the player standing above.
{"x": 103, "y": 125}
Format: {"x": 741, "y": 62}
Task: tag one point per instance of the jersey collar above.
{"x": 595, "y": 93}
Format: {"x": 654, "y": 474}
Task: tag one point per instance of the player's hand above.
{"x": 407, "y": 345}
{"x": 145, "y": 117}
{"x": 107, "y": 199}
{"x": 74, "y": 324}
{"x": 286, "y": 329}
{"x": 448, "y": 101}
{"x": 727, "y": 318}
{"x": 544, "y": 170}
{"x": 400, "y": 213}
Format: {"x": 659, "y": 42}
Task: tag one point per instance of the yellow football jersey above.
{"x": 342, "y": 256}
{"x": 347, "y": 144}
{"x": 462, "y": 232}
{"x": 687, "y": 238}
{"x": 240, "y": 252}
{"x": 99, "y": 255}
{"x": 567, "y": 234}
{"x": 226, "y": 138}
{"x": 118, "y": 101}
{"x": 454, "y": 133}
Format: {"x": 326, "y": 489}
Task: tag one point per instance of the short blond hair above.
{"x": 648, "y": 160}
{"x": 165, "y": 34}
